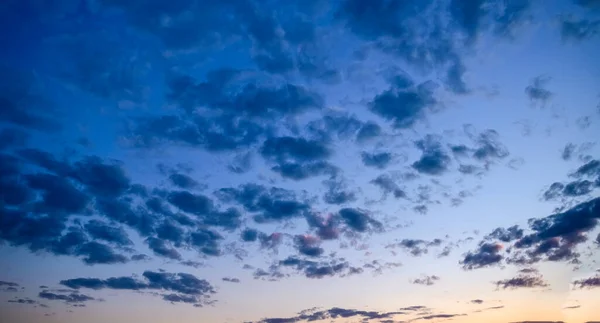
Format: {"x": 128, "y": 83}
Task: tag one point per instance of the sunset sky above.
{"x": 299, "y": 161}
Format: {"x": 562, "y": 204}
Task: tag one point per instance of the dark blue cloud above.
{"x": 102, "y": 231}
{"x": 589, "y": 282}
{"x": 522, "y": 281}
{"x": 579, "y": 29}
{"x": 249, "y": 235}
{"x": 468, "y": 16}
{"x": 308, "y": 245}
{"x": 22, "y": 104}
{"x": 231, "y": 280}
{"x": 337, "y": 125}
{"x": 206, "y": 241}
{"x": 98, "y": 253}
{"x": 170, "y": 231}
{"x": 537, "y": 91}
{"x": 434, "y": 159}
{"x": 309, "y": 268}
{"x": 591, "y": 168}
{"x": 359, "y": 220}
{"x": 59, "y": 194}
{"x": 552, "y": 238}
{"x": 268, "y": 204}
{"x": 338, "y": 192}
{"x": 183, "y": 181}
{"x": 184, "y": 287}
{"x": 388, "y": 186}
{"x": 297, "y": 158}
{"x": 46, "y": 160}
{"x": 300, "y": 171}
{"x": 326, "y": 228}
{"x": 403, "y": 106}
{"x": 71, "y": 298}
{"x": 568, "y": 151}
{"x": 9, "y": 286}
{"x": 507, "y": 234}
{"x": 368, "y": 131}
{"x": 161, "y": 248}
{"x": 487, "y": 254}
{"x": 191, "y": 203}
{"x": 13, "y": 137}
{"x": 426, "y": 280}
{"x": 416, "y": 247}
{"x": 391, "y": 26}
{"x": 212, "y": 117}
{"x": 378, "y": 160}
{"x": 311, "y": 315}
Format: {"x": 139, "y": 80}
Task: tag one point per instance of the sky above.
{"x": 299, "y": 161}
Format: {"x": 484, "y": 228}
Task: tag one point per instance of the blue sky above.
{"x": 306, "y": 160}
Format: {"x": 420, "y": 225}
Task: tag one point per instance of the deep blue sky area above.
{"x": 299, "y": 161}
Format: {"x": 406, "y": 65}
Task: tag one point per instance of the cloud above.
{"x": 377, "y": 160}
{"x": 537, "y": 91}
{"x": 359, "y": 220}
{"x": 468, "y": 16}
{"x": 434, "y": 160}
{"x": 309, "y": 268}
{"x": 591, "y": 168}
{"x": 101, "y": 178}
{"x": 297, "y": 158}
{"x": 296, "y": 149}
{"x": 337, "y": 192}
{"x": 388, "y": 186}
{"x": 212, "y": 115}
{"x": 176, "y": 287}
{"x": 590, "y": 282}
{"x": 206, "y": 241}
{"x": 27, "y": 301}
{"x": 22, "y": 102}
{"x": 426, "y": 280}
{"x": 249, "y": 235}
{"x": 506, "y": 234}
{"x": 327, "y": 228}
{"x": 568, "y": 151}
{"x": 98, "y": 253}
{"x": 231, "y": 280}
{"x": 522, "y": 281}
{"x": 161, "y": 248}
{"x": 70, "y": 298}
{"x": 578, "y": 187}
{"x": 578, "y": 29}
{"x": 368, "y": 131}
{"x": 487, "y": 254}
{"x": 8, "y": 284}
{"x": 552, "y": 238}
{"x": 341, "y": 126}
{"x": 183, "y": 181}
{"x": 403, "y": 107}
{"x": 12, "y": 138}
{"x": 268, "y": 204}
{"x": 190, "y": 203}
{"x": 332, "y": 313}
{"x": 571, "y": 307}
{"x": 416, "y": 247}
{"x": 308, "y": 245}
{"x": 100, "y": 230}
